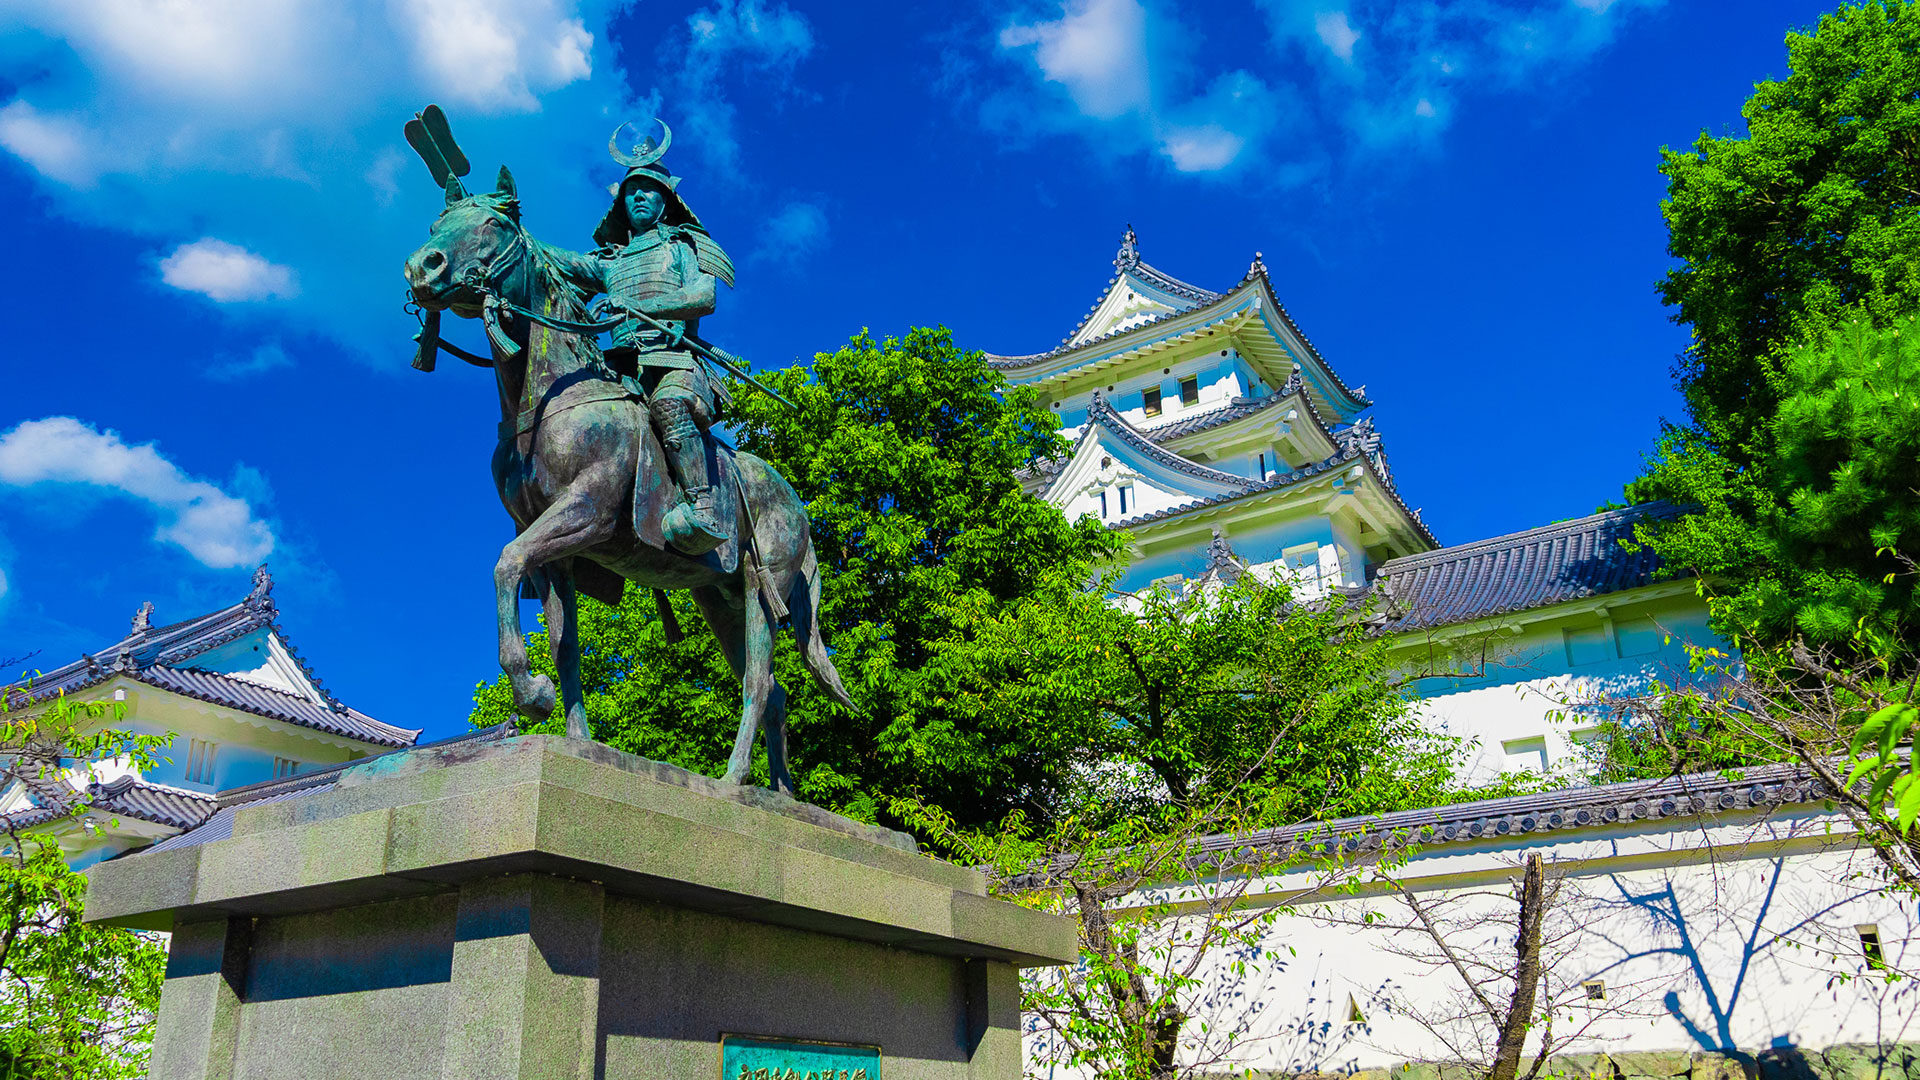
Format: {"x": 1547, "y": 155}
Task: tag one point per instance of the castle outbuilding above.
{"x": 242, "y": 706}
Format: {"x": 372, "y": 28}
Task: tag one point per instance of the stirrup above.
{"x": 690, "y": 526}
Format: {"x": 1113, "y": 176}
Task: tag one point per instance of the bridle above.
{"x": 485, "y": 280}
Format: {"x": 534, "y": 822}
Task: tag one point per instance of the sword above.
{"x": 733, "y": 365}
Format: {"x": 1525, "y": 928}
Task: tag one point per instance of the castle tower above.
{"x": 1195, "y": 412}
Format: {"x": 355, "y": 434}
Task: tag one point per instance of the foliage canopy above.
{"x": 77, "y": 1001}
{"x": 1799, "y": 249}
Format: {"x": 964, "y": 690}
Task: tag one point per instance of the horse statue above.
{"x": 579, "y": 468}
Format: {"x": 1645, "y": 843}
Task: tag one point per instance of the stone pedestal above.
{"x": 546, "y": 907}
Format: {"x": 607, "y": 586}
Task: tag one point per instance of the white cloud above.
{"x": 226, "y": 272}
{"x": 53, "y": 145}
{"x": 1202, "y": 149}
{"x": 274, "y": 126}
{"x": 1123, "y": 75}
{"x": 214, "y": 527}
{"x": 1336, "y": 33}
{"x": 498, "y": 53}
{"x": 265, "y": 358}
{"x": 798, "y": 230}
{"x": 1097, "y": 50}
{"x": 3, "y": 583}
{"x": 754, "y": 36}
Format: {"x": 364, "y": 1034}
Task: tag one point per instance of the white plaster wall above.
{"x": 1707, "y": 938}
{"x": 1306, "y": 549}
{"x": 1537, "y": 679}
{"x": 1221, "y": 379}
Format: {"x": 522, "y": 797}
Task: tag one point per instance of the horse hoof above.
{"x": 540, "y": 699}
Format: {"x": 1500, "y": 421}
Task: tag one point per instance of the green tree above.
{"x": 1813, "y": 212}
{"x": 1179, "y": 698}
{"x": 906, "y": 451}
{"x": 1799, "y": 260}
{"x": 1208, "y": 716}
{"x": 77, "y": 1001}
{"x": 1816, "y": 537}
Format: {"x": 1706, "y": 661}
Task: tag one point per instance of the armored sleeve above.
{"x": 586, "y": 271}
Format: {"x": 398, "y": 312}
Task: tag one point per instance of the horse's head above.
{"x": 472, "y": 245}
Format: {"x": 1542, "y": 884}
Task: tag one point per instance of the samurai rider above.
{"x": 656, "y": 257}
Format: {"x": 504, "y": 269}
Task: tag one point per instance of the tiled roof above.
{"x": 1257, "y": 272}
{"x": 1101, "y": 414}
{"x": 132, "y": 797}
{"x": 1682, "y": 799}
{"x": 1160, "y": 279}
{"x": 1186, "y": 295}
{"x": 219, "y": 823}
{"x": 1238, "y": 409}
{"x": 1358, "y": 444}
{"x": 275, "y": 704}
{"x": 1571, "y": 560}
{"x": 161, "y": 657}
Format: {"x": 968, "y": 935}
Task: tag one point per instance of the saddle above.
{"x": 653, "y": 494}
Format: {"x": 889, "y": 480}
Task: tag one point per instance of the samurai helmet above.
{"x": 642, "y": 159}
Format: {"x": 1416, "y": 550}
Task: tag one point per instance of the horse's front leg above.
{"x": 562, "y": 606}
{"x": 571, "y": 525}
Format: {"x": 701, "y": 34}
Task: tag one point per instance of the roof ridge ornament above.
{"x": 1257, "y": 268}
{"x": 262, "y": 594}
{"x": 1129, "y": 255}
{"x": 143, "y": 619}
{"x": 1222, "y": 559}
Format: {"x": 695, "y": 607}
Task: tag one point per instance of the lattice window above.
{"x": 283, "y": 767}
{"x": 200, "y": 758}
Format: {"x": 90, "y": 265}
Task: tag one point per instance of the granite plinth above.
{"x": 545, "y": 907}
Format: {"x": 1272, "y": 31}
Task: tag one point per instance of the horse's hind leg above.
{"x": 562, "y": 606}
{"x": 746, "y": 639}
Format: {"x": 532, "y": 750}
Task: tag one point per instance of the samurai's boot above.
{"x": 691, "y": 527}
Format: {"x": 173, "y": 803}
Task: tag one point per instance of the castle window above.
{"x": 1526, "y": 755}
{"x": 1126, "y": 490}
{"x": 1190, "y": 390}
{"x": 1638, "y": 637}
{"x": 1150, "y": 401}
{"x": 283, "y": 767}
{"x": 1262, "y": 474}
{"x": 200, "y": 755}
{"x": 1587, "y": 645}
{"x": 1870, "y": 943}
{"x": 1103, "y": 504}
{"x": 1596, "y": 989}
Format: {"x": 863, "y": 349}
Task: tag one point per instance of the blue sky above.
{"x": 209, "y": 202}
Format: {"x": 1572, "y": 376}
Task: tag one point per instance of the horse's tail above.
{"x": 803, "y": 602}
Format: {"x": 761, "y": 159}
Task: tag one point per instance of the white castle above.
{"x": 1208, "y": 426}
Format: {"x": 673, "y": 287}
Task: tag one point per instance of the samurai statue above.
{"x": 655, "y": 257}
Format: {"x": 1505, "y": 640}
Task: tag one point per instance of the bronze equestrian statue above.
{"x": 604, "y": 460}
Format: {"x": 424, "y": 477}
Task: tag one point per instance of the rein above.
{"x": 486, "y": 281}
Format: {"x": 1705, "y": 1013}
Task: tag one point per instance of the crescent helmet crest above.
{"x": 642, "y": 153}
